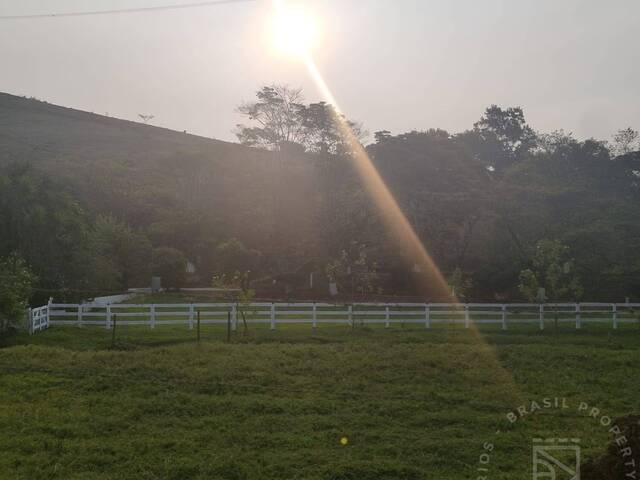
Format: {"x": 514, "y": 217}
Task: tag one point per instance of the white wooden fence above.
{"x": 38, "y": 318}
{"x": 314, "y": 314}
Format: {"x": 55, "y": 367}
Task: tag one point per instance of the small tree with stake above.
{"x": 235, "y": 288}
{"x": 551, "y": 272}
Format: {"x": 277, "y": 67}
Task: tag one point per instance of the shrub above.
{"x": 16, "y": 283}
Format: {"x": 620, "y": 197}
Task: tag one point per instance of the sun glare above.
{"x": 293, "y": 31}
{"x": 293, "y": 34}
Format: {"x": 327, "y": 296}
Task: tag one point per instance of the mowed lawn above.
{"x": 410, "y": 403}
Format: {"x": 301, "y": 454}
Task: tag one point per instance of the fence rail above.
{"x": 314, "y": 314}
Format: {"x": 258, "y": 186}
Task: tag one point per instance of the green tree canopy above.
{"x": 16, "y": 283}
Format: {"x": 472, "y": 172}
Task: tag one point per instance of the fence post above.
{"x": 504, "y": 317}
{"x": 228, "y": 325}
{"x": 466, "y": 315}
{"x": 30, "y": 321}
{"x": 578, "y": 317}
{"x": 152, "y": 309}
{"x": 234, "y": 317}
{"x": 542, "y": 316}
{"x": 386, "y": 317}
{"x": 79, "y": 320}
{"x": 191, "y": 316}
{"x": 198, "y": 330}
{"x": 314, "y": 318}
{"x": 273, "y": 316}
{"x": 49, "y": 303}
{"x": 113, "y": 329}
{"x": 351, "y": 316}
{"x": 615, "y": 316}
{"x": 108, "y": 317}
{"x": 427, "y": 316}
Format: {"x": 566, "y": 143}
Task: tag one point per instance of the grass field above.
{"x": 412, "y": 404}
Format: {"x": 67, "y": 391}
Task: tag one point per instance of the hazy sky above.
{"x": 391, "y": 64}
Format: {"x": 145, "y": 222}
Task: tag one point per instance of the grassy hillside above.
{"x": 182, "y": 189}
{"x": 128, "y": 167}
{"x": 275, "y": 405}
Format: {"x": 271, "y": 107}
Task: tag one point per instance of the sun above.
{"x": 293, "y": 30}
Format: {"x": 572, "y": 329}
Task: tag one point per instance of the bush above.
{"x": 16, "y": 283}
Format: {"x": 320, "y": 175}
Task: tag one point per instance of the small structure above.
{"x": 156, "y": 284}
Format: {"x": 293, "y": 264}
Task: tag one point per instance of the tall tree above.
{"x": 282, "y": 121}
{"x": 625, "y": 141}
{"x": 277, "y": 117}
{"x": 507, "y": 130}
{"x": 324, "y": 130}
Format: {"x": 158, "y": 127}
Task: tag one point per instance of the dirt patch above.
{"x": 622, "y": 458}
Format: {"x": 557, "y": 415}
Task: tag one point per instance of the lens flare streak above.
{"x": 434, "y": 284}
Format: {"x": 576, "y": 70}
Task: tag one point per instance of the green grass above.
{"x": 274, "y": 405}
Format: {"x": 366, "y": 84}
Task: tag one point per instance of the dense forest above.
{"x": 91, "y": 204}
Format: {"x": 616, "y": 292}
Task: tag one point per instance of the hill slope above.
{"x": 149, "y": 175}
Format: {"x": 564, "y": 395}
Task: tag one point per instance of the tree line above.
{"x": 505, "y": 211}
